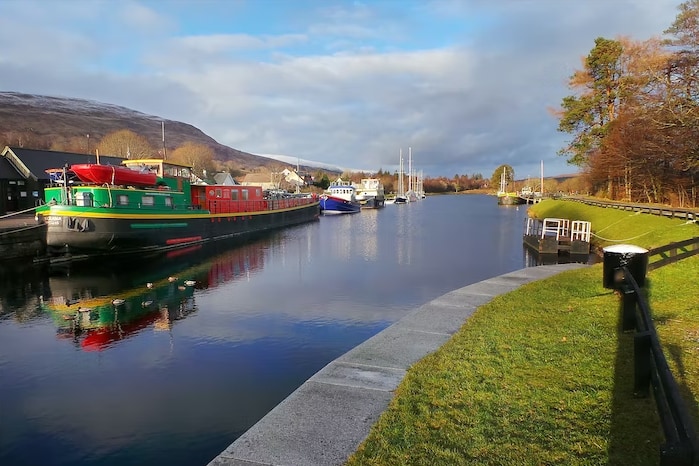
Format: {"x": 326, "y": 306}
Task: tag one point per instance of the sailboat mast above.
{"x": 400, "y": 171}
{"x": 410, "y": 168}
{"x": 542, "y": 178}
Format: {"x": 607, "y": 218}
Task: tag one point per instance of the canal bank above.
{"x": 324, "y": 421}
{"x": 22, "y": 237}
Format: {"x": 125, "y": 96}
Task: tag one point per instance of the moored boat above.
{"x": 507, "y": 197}
{"x": 370, "y": 193}
{"x": 340, "y": 198}
{"x": 400, "y": 197}
{"x": 87, "y": 218}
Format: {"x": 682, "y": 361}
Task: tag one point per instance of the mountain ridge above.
{"x": 38, "y": 121}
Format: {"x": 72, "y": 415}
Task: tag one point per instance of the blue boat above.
{"x": 340, "y": 198}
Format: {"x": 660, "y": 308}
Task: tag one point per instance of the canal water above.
{"x": 132, "y": 364}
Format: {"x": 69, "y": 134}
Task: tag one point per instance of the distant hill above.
{"x": 35, "y": 121}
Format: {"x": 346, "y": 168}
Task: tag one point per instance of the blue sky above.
{"x": 467, "y": 84}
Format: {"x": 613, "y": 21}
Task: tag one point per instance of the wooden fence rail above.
{"x": 665, "y": 211}
{"x": 651, "y": 369}
{"x": 673, "y": 252}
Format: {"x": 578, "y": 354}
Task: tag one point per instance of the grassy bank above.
{"x": 543, "y": 375}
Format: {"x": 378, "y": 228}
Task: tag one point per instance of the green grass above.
{"x": 613, "y": 226}
{"x": 543, "y": 375}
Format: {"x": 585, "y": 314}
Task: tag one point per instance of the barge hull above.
{"x": 74, "y": 233}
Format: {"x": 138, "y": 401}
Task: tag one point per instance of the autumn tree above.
{"x": 125, "y": 144}
{"x": 599, "y": 87}
{"x": 231, "y": 167}
{"x": 682, "y": 102}
{"x": 74, "y": 144}
{"x": 498, "y": 173}
{"x": 198, "y": 156}
{"x": 611, "y": 117}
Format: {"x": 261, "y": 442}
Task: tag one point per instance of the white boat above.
{"x": 400, "y": 198}
{"x": 340, "y": 198}
{"x": 370, "y": 193}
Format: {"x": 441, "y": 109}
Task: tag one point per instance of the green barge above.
{"x": 150, "y": 205}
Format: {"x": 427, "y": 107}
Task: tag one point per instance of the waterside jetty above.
{"x": 326, "y": 419}
{"x": 558, "y": 235}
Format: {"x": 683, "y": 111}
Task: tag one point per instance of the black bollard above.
{"x": 616, "y": 257}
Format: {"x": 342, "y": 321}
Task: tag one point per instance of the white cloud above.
{"x": 220, "y": 43}
{"x": 466, "y": 84}
{"x": 141, "y": 18}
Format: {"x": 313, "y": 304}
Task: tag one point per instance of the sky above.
{"x": 467, "y": 85}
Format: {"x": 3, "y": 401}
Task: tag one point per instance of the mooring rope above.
{"x": 688, "y": 222}
{"x": 17, "y": 213}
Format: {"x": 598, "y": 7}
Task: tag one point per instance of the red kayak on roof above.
{"x": 113, "y": 174}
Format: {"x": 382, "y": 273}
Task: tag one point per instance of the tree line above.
{"x": 124, "y": 144}
{"x": 129, "y": 145}
{"x": 634, "y": 115}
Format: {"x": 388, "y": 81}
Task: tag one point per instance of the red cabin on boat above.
{"x": 219, "y": 199}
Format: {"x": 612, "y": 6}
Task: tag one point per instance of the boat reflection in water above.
{"x": 98, "y": 308}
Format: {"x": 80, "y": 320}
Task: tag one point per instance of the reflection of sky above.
{"x": 188, "y": 383}
{"x": 266, "y": 316}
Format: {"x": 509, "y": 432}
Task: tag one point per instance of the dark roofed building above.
{"x": 23, "y": 174}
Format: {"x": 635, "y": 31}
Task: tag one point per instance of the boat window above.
{"x": 219, "y": 192}
{"x": 259, "y": 192}
{"x": 123, "y": 199}
{"x": 148, "y": 200}
{"x": 245, "y": 194}
{"x": 83, "y": 199}
{"x": 168, "y": 201}
{"x": 234, "y": 194}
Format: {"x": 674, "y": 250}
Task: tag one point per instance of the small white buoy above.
{"x": 190, "y": 282}
{"x": 146, "y": 303}
{"x": 84, "y": 309}
{"x": 118, "y": 301}
{"x": 171, "y": 279}
{"x": 149, "y": 285}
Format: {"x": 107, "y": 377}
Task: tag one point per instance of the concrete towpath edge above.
{"x": 326, "y": 419}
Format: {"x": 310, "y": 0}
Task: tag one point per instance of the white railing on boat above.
{"x": 577, "y": 230}
{"x": 580, "y": 231}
